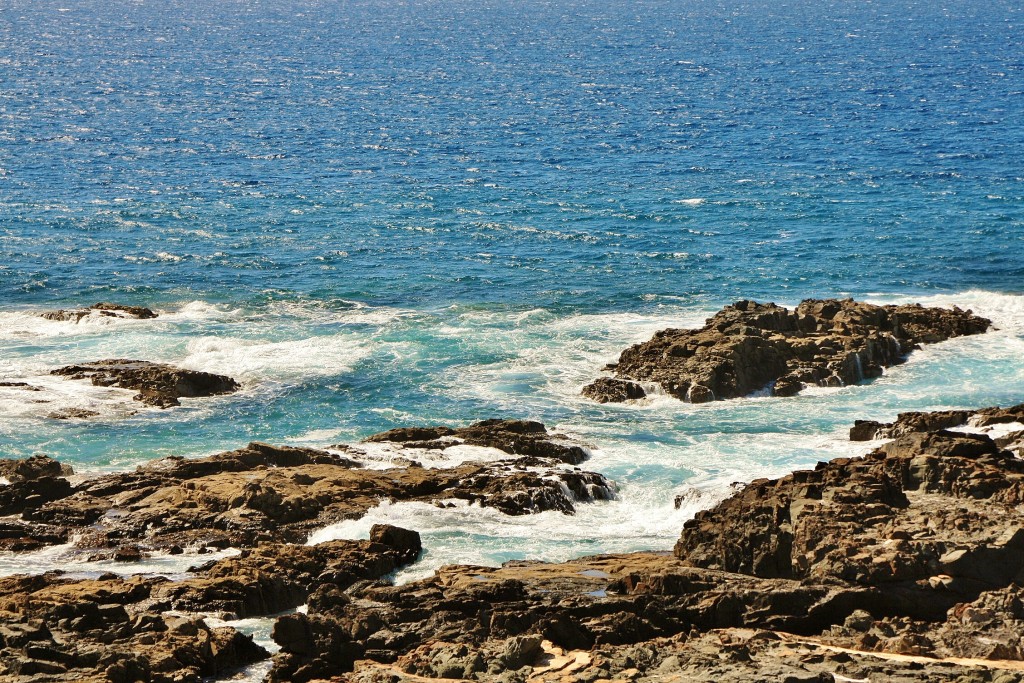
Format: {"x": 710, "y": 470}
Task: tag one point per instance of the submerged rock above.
{"x": 748, "y": 347}
{"x": 103, "y": 308}
{"x": 158, "y": 384}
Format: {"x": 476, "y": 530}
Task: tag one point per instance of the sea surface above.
{"x": 382, "y": 213}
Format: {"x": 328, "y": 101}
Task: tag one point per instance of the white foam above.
{"x": 253, "y": 360}
{"x": 22, "y": 325}
{"x": 385, "y": 455}
{"x": 995, "y": 431}
{"x": 76, "y": 564}
{"x": 56, "y": 395}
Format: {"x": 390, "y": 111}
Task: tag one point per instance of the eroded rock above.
{"x": 749, "y": 347}
{"x": 158, "y": 384}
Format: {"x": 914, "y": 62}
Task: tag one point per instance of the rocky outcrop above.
{"x": 749, "y": 347}
{"x": 609, "y": 390}
{"x": 158, "y": 384}
{"x": 104, "y": 309}
{"x": 515, "y": 437}
{"x": 264, "y": 493}
{"x": 54, "y": 628}
{"x": 978, "y": 420}
{"x": 902, "y": 565}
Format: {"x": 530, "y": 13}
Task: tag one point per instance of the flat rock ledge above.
{"x": 749, "y": 347}
{"x": 158, "y": 384}
{"x": 266, "y": 493}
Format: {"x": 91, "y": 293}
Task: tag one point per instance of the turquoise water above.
{"x": 377, "y": 214}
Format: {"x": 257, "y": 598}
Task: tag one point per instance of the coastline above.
{"x": 246, "y": 509}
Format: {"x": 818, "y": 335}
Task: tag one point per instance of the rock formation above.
{"x": 902, "y": 566}
{"x": 747, "y": 347}
{"x": 115, "y": 629}
{"x": 263, "y": 499}
{"x": 158, "y": 384}
{"x": 105, "y": 308}
{"x": 264, "y": 493}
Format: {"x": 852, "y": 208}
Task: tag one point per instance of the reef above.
{"x": 749, "y": 347}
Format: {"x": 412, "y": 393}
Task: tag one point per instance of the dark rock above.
{"x": 608, "y": 390}
{"x": 158, "y": 384}
{"x": 103, "y": 308}
{"x": 405, "y": 541}
{"x": 749, "y": 346}
{"x": 266, "y": 493}
{"x": 34, "y": 467}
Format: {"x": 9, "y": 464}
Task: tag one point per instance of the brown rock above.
{"x": 749, "y": 346}
{"x": 158, "y": 384}
{"x": 608, "y": 390}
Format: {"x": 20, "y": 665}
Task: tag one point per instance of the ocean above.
{"x": 383, "y": 213}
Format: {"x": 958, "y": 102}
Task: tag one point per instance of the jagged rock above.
{"x": 515, "y": 437}
{"x": 158, "y": 384}
{"x": 139, "y": 628}
{"x": 264, "y": 493}
{"x": 608, "y": 390}
{"x": 910, "y": 422}
{"x": 925, "y": 504}
{"x": 34, "y": 467}
{"x": 103, "y": 308}
{"x": 100, "y": 629}
{"x": 747, "y": 347}
{"x": 914, "y": 550}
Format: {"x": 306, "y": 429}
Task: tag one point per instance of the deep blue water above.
{"x": 387, "y": 213}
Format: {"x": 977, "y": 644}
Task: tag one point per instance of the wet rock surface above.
{"x": 58, "y": 628}
{"x": 902, "y": 565}
{"x": 265, "y": 493}
{"x": 515, "y": 437}
{"x": 749, "y": 347}
{"x": 158, "y": 384}
{"x": 1011, "y": 420}
{"x": 104, "y": 308}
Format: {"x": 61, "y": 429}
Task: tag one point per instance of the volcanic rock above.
{"x": 910, "y": 422}
{"x": 885, "y": 567}
{"x": 749, "y": 347}
{"x": 158, "y": 384}
{"x": 609, "y": 390}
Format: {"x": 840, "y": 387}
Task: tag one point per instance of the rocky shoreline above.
{"x": 901, "y": 565}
